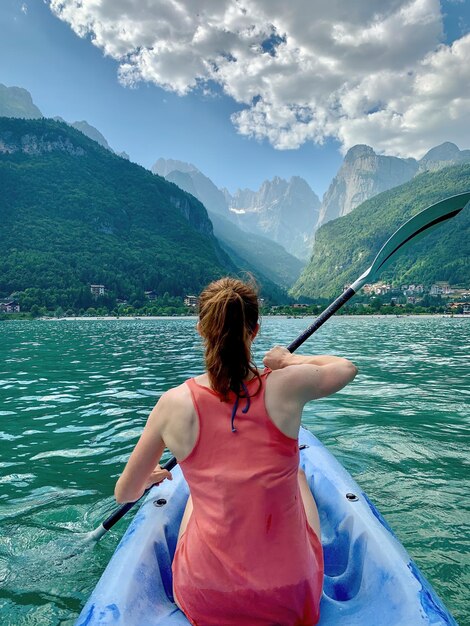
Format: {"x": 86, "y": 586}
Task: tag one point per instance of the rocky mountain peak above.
{"x": 442, "y": 156}
{"x": 358, "y": 152}
{"x": 285, "y": 211}
{"x": 17, "y": 102}
{"x": 445, "y": 151}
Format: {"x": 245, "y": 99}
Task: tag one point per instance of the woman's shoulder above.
{"x": 176, "y": 397}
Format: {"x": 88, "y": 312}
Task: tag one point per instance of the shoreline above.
{"x": 179, "y": 317}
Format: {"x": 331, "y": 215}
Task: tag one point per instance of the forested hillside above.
{"x": 345, "y": 247}
{"x": 73, "y": 214}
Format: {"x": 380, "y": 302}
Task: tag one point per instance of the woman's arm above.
{"x": 314, "y": 376}
{"x": 142, "y": 470}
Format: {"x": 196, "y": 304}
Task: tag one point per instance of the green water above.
{"x": 74, "y": 396}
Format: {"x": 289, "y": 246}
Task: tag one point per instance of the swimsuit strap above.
{"x": 235, "y": 406}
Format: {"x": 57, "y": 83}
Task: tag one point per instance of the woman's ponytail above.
{"x": 228, "y": 315}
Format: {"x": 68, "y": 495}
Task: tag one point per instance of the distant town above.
{"x": 378, "y": 298}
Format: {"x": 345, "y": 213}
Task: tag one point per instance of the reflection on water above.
{"x": 74, "y": 396}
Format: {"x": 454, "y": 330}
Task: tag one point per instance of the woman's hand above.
{"x": 277, "y": 358}
{"x": 158, "y": 476}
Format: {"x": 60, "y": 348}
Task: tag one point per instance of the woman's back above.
{"x": 248, "y": 555}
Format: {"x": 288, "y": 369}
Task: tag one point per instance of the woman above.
{"x": 249, "y": 550}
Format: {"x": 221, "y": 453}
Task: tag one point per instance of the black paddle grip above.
{"x": 122, "y": 510}
{"x": 321, "y": 319}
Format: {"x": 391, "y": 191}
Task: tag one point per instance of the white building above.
{"x": 9, "y": 306}
{"x": 440, "y": 288}
{"x": 97, "y": 290}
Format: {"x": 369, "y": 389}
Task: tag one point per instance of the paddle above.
{"x": 414, "y": 228}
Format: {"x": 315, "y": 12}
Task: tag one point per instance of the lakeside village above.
{"x": 375, "y": 299}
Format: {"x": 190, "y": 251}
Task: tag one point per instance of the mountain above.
{"x": 284, "y": 211}
{"x": 189, "y": 178}
{"x": 364, "y": 174}
{"x": 443, "y": 156}
{"x": 74, "y": 214}
{"x": 17, "y": 102}
{"x": 345, "y": 247}
{"x": 251, "y": 251}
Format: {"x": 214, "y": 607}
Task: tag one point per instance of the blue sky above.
{"x": 279, "y": 129}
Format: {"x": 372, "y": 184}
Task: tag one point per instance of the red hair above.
{"x": 228, "y": 315}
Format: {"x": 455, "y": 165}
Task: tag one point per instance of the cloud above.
{"x": 24, "y": 8}
{"x": 352, "y": 71}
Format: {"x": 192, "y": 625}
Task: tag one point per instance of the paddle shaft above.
{"x": 321, "y": 319}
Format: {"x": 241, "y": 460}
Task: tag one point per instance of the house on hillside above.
{"x": 379, "y": 289}
{"x": 440, "y": 288}
{"x": 9, "y": 306}
{"x": 191, "y": 301}
{"x": 97, "y": 290}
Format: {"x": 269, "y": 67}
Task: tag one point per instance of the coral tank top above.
{"x": 248, "y": 556}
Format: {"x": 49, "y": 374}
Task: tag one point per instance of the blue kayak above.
{"x": 370, "y": 580}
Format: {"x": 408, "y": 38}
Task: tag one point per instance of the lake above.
{"x": 75, "y": 395}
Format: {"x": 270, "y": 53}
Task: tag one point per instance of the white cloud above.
{"x": 24, "y": 8}
{"x": 301, "y": 71}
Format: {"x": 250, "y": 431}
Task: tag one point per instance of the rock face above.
{"x": 285, "y": 211}
{"x": 36, "y": 145}
{"x": 362, "y": 175}
{"x": 17, "y": 102}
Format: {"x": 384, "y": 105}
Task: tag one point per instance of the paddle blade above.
{"x": 420, "y": 224}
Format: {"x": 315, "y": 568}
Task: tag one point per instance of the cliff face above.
{"x": 284, "y": 211}
{"x": 362, "y": 175}
{"x": 36, "y": 145}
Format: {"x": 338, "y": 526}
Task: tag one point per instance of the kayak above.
{"x": 369, "y": 577}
